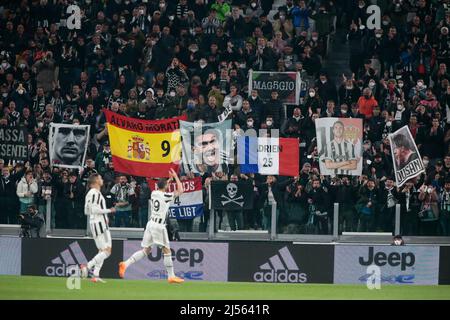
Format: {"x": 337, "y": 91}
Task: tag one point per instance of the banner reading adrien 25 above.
{"x": 287, "y": 84}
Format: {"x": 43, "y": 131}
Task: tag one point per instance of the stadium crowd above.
{"x": 157, "y": 59}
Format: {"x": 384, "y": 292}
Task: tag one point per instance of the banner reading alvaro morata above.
{"x": 189, "y": 204}
{"x": 339, "y": 146}
{"x": 407, "y": 160}
{"x": 142, "y": 147}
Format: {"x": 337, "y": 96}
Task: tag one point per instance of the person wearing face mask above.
{"x": 348, "y": 92}
{"x": 203, "y": 70}
{"x": 344, "y": 111}
{"x": 313, "y": 103}
{"x": 401, "y": 115}
{"x": 246, "y": 112}
{"x": 326, "y": 89}
{"x": 418, "y": 92}
{"x": 192, "y": 110}
{"x": 269, "y": 124}
{"x": 292, "y": 127}
{"x": 250, "y": 124}
{"x": 256, "y": 104}
{"x": 367, "y": 103}
{"x": 274, "y": 108}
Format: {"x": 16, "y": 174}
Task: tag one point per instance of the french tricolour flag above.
{"x": 267, "y": 156}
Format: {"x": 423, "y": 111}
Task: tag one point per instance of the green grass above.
{"x": 25, "y": 287}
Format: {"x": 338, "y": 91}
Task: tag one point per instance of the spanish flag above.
{"x": 142, "y": 147}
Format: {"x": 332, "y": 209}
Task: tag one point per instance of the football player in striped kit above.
{"x": 156, "y": 231}
{"x": 340, "y": 154}
{"x": 95, "y": 208}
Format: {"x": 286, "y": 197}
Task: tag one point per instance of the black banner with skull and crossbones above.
{"x": 227, "y": 195}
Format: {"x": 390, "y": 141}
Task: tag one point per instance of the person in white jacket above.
{"x": 26, "y": 190}
{"x": 95, "y": 209}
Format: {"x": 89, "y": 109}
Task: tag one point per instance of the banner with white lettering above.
{"x": 287, "y": 84}
{"x": 188, "y": 205}
{"x": 405, "y": 156}
{"x": 267, "y": 156}
{"x": 13, "y": 143}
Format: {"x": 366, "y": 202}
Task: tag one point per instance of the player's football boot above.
{"x": 175, "y": 280}
{"x": 83, "y": 271}
{"x": 97, "y": 280}
{"x": 122, "y": 269}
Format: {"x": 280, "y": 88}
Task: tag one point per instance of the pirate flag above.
{"x": 227, "y": 195}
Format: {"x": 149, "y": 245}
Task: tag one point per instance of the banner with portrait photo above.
{"x": 405, "y": 156}
{"x": 13, "y": 143}
{"x": 287, "y": 84}
{"x": 206, "y": 147}
{"x": 339, "y": 144}
{"x": 68, "y": 144}
{"x": 145, "y": 148}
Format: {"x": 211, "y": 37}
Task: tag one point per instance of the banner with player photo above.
{"x": 188, "y": 205}
{"x": 68, "y": 144}
{"x": 339, "y": 144}
{"x": 287, "y": 84}
{"x": 227, "y": 195}
{"x": 206, "y": 147}
{"x": 142, "y": 147}
{"x": 13, "y": 143}
{"x": 405, "y": 156}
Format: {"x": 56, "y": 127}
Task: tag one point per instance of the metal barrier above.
{"x": 270, "y": 234}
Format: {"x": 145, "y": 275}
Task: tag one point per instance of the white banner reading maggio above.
{"x": 405, "y": 155}
{"x": 68, "y": 145}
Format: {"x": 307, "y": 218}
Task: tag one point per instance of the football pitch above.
{"x": 27, "y": 287}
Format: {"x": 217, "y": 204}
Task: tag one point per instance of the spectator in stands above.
{"x": 26, "y": 190}
{"x": 124, "y": 195}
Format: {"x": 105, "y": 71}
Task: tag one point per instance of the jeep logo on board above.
{"x": 394, "y": 259}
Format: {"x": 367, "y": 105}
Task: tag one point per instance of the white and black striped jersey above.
{"x": 95, "y": 208}
{"x": 340, "y": 152}
{"x": 160, "y": 203}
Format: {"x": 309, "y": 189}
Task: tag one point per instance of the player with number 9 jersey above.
{"x": 156, "y": 231}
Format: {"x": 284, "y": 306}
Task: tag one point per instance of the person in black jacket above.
{"x": 270, "y": 192}
{"x": 318, "y": 201}
{"x": 274, "y": 108}
{"x": 211, "y": 111}
{"x": 8, "y": 197}
{"x": 408, "y": 197}
{"x": 388, "y": 200}
{"x": 367, "y": 205}
{"x": 74, "y": 192}
{"x": 344, "y": 193}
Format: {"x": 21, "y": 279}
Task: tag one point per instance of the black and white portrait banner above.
{"x": 68, "y": 145}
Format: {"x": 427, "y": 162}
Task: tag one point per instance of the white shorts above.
{"x": 155, "y": 233}
{"x": 103, "y": 241}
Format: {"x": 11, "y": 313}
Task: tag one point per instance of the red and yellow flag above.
{"x": 142, "y": 147}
